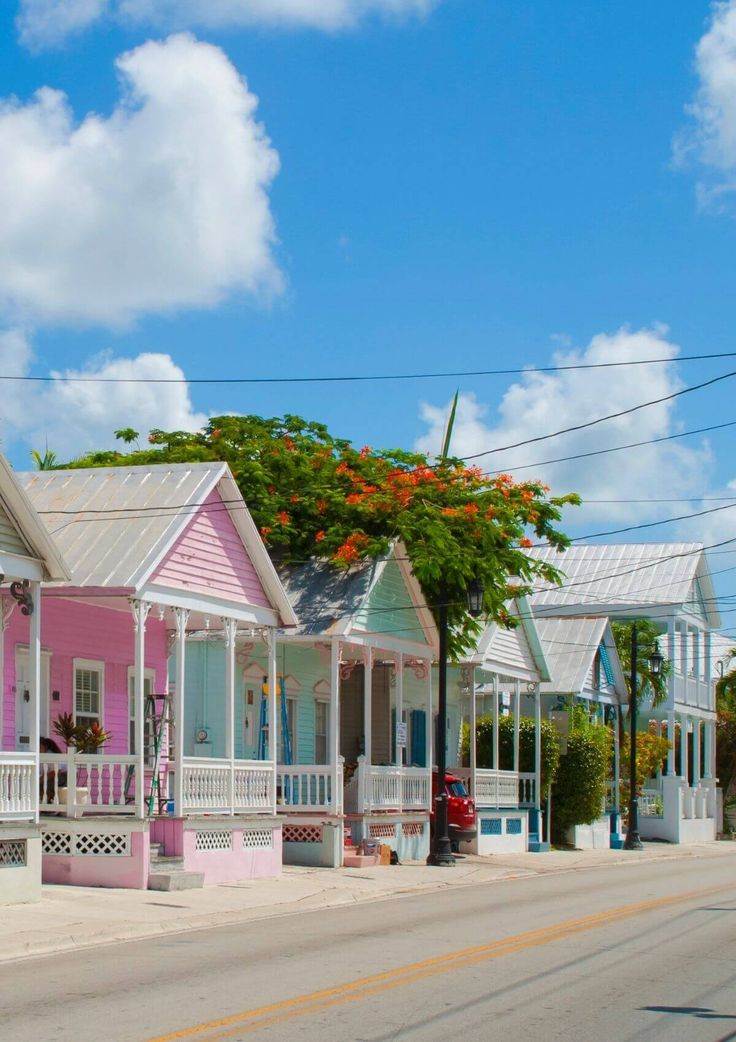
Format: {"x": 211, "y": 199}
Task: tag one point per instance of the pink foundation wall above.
{"x": 128, "y": 873}
{"x": 72, "y": 630}
{"x": 218, "y": 866}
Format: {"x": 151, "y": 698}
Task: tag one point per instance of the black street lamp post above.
{"x": 441, "y": 849}
{"x": 633, "y": 841}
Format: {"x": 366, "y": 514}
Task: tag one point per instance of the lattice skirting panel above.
{"x": 257, "y": 839}
{"x": 210, "y": 840}
{"x": 13, "y": 853}
{"x": 495, "y": 827}
{"x": 382, "y": 831}
{"x": 412, "y": 828}
{"x": 87, "y": 844}
{"x": 302, "y": 833}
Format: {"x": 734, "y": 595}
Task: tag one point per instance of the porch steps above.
{"x": 168, "y": 873}
{"x": 351, "y": 858}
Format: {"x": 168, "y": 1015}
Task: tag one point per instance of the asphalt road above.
{"x": 633, "y": 951}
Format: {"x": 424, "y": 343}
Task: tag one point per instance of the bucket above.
{"x": 369, "y": 847}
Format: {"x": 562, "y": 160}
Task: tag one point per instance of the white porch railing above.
{"x": 18, "y": 789}
{"x": 309, "y": 788}
{"x": 388, "y": 788}
{"x": 651, "y": 803}
{"x": 73, "y": 783}
{"x": 527, "y": 789}
{"x": 491, "y": 788}
{"x": 224, "y": 787}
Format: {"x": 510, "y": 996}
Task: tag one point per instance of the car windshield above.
{"x": 456, "y": 788}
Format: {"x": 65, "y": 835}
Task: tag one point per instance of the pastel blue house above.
{"x": 355, "y": 687}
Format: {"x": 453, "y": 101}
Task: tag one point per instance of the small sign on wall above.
{"x": 401, "y": 735}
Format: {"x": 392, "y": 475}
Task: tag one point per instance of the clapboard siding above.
{"x": 10, "y": 540}
{"x": 389, "y": 608}
{"x": 210, "y": 558}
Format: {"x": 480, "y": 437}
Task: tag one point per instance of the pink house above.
{"x": 27, "y": 556}
{"x": 157, "y": 555}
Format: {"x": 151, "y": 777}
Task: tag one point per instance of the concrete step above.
{"x": 177, "y": 880}
{"x": 166, "y": 864}
{"x": 360, "y": 860}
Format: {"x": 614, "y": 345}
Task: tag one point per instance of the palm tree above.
{"x": 647, "y": 682}
{"x": 48, "y": 461}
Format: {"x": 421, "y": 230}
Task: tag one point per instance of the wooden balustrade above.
{"x": 18, "y": 788}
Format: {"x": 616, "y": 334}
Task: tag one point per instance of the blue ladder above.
{"x": 263, "y": 727}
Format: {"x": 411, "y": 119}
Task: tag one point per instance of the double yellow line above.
{"x": 367, "y": 987}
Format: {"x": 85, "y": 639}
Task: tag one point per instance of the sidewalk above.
{"x": 81, "y": 917}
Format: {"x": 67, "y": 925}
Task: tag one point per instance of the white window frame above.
{"x": 326, "y": 703}
{"x": 92, "y": 666}
{"x": 148, "y": 675}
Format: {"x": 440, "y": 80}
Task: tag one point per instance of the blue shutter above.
{"x": 606, "y": 663}
{"x": 418, "y": 738}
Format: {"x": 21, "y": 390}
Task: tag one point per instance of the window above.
{"x": 321, "y": 731}
{"x": 148, "y": 727}
{"x": 88, "y": 685}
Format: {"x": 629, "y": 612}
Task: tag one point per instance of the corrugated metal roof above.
{"x": 622, "y": 575}
{"x": 111, "y": 522}
{"x": 323, "y": 598}
{"x": 569, "y": 646}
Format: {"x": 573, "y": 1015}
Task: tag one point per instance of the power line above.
{"x": 603, "y": 419}
{"x": 364, "y": 378}
{"x": 614, "y": 448}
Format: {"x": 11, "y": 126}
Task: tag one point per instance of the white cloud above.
{"x": 72, "y": 418}
{"x": 162, "y": 205}
{"x": 712, "y": 139}
{"x": 541, "y": 403}
{"x": 45, "y": 23}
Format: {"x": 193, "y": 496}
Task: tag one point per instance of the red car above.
{"x": 461, "y": 825}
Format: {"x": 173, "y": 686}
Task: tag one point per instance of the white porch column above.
{"x": 334, "y": 724}
{"x": 671, "y": 739}
{"x": 231, "y": 633}
{"x": 368, "y": 704}
{"x": 696, "y": 752}
{"x": 616, "y": 761}
{"x": 495, "y": 721}
{"x": 399, "y": 709}
{"x": 538, "y": 752}
{"x": 140, "y": 614}
{"x": 181, "y": 616}
{"x": 429, "y": 729}
{"x": 34, "y": 680}
{"x": 473, "y": 727}
{"x": 708, "y": 669}
{"x": 273, "y": 736}
{"x": 517, "y": 712}
{"x": 683, "y": 746}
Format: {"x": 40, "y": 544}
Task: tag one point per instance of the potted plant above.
{"x": 86, "y": 739}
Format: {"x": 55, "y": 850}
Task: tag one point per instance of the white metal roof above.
{"x": 570, "y": 646}
{"x": 114, "y": 524}
{"x": 28, "y": 548}
{"x": 514, "y": 652}
{"x": 625, "y": 577}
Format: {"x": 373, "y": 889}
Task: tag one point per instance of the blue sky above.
{"x": 467, "y": 184}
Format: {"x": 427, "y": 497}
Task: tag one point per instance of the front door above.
{"x": 23, "y": 698}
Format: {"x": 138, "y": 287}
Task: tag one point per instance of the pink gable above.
{"x": 209, "y": 557}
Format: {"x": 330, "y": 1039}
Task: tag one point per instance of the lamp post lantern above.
{"x": 441, "y": 848}
{"x": 633, "y": 840}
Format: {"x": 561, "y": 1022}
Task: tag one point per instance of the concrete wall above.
{"x": 21, "y": 883}
{"x": 85, "y": 863}
{"x": 499, "y": 832}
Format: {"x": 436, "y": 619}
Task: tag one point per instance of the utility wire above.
{"x": 603, "y": 419}
{"x": 363, "y": 378}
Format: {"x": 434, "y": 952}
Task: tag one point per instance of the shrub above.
{"x": 484, "y": 746}
{"x": 579, "y": 789}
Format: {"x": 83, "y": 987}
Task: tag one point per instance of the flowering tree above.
{"x": 314, "y": 495}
